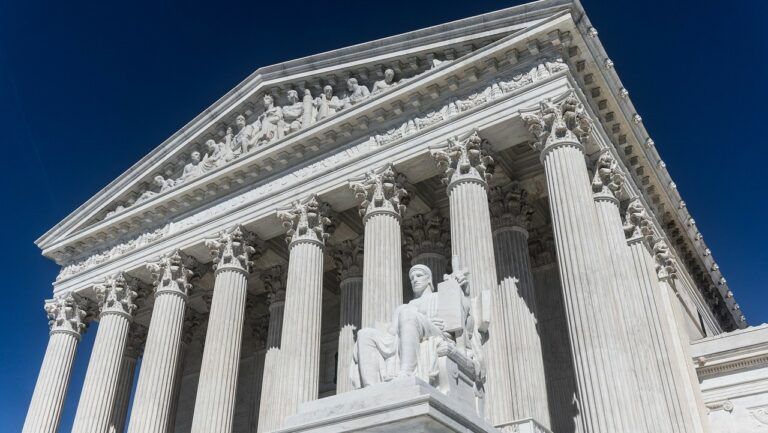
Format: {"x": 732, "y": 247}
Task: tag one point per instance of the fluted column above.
{"x": 215, "y": 402}
{"x": 274, "y": 283}
{"x": 269, "y": 402}
{"x": 299, "y": 356}
{"x": 383, "y": 204}
{"x": 192, "y": 321}
{"x": 97, "y": 398}
{"x": 428, "y": 242}
{"x": 154, "y": 391}
{"x": 67, "y": 322}
{"x": 468, "y": 167}
{"x": 639, "y": 228}
{"x": 348, "y": 260}
{"x": 134, "y": 347}
{"x": 510, "y": 217}
{"x": 586, "y": 276}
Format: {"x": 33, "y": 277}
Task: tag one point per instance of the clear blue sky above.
{"x": 88, "y": 88}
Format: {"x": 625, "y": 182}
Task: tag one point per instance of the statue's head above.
{"x": 328, "y": 91}
{"x": 195, "y": 156}
{"x": 389, "y": 75}
{"x": 240, "y": 121}
{"x": 210, "y": 144}
{"x": 421, "y": 279}
{"x": 268, "y": 101}
{"x": 159, "y": 180}
{"x": 352, "y": 84}
{"x": 293, "y": 96}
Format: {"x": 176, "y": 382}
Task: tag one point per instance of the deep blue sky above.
{"x": 88, "y": 88}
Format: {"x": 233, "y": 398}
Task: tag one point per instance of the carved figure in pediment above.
{"x": 192, "y": 169}
{"x": 117, "y": 210}
{"x": 309, "y": 114}
{"x": 218, "y": 154}
{"x": 162, "y": 184}
{"x": 245, "y": 138}
{"x": 357, "y": 93}
{"x": 327, "y": 104}
{"x": 293, "y": 113}
{"x": 271, "y": 123}
{"x": 386, "y": 83}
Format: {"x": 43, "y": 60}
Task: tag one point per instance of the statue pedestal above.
{"x": 402, "y": 405}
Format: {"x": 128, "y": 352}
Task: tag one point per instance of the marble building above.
{"x": 471, "y": 214}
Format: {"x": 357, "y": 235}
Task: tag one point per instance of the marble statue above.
{"x": 293, "y": 112}
{"x": 271, "y": 122}
{"x": 162, "y": 184}
{"x": 327, "y": 104}
{"x": 382, "y": 85}
{"x": 434, "y": 324}
{"x": 309, "y": 113}
{"x": 357, "y": 93}
{"x": 192, "y": 169}
{"x": 245, "y": 138}
{"x": 218, "y": 154}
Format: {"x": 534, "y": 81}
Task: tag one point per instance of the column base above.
{"x": 528, "y": 425}
{"x": 402, "y": 405}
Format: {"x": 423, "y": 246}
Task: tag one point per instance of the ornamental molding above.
{"x": 307, "y": 220}
{"x": 428, "y": 233}
{"x": 233, "y": 249}
{"x": 510, "y": 206}
{"x": 117, "y": 294}
{"x": 381, "y": 190}
{"x": 65, "y": 314}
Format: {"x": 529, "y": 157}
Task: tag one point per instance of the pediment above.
{"x": 219, "y": 136}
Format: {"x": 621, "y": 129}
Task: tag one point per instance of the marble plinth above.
{"x": 403, "y": 405}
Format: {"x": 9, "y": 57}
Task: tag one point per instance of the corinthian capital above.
{"x": 172, "y": 273}
{"x": 117, "y": 294}
{"x": 137, "y": 338}
{"x": 637, "y": 221}
{"x": 608, "y": 177}
{"x": 427, "y": 233}
{"x": 65, "y": 314}
{"x": 465, "y": 159}
{"x": 233, "y": 249}
{"x": 348, "y": 258}
{"x": 565, "y": 121}
{"x": 381, "y": 190}
{"x": 274, "y": 283}
{"x": 307, "y": 221}
{"x": 666, "y": 267}
{"x": 510, "y": 207}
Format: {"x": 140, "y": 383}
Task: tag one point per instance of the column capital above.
{"x": 66, "y": 315}
{"x": 172, "y": 272}
{"x": 465, "y": 159}
{"x": 666, "y": 266}
{"x": 510, "y": 207}
{"x": 348, "y": 258}
{"x": 274, "y": 284}
{"x": 234, "y": 249}
{"x": 427, "y": 233}
{"x": 637, "y": 222}
{"x": 381, "y": 190}
{"x": 117, "y": 294}
{"x": 307, "y": 221}
{"x": 608, "y": 178}
{"x": 558, "y": 123}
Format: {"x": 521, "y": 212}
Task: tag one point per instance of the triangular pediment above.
{"x": 240, "y": 125}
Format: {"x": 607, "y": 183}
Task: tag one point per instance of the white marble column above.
{"x": 274, "y": 283}
{"x": 97, "y": 398}
{"x": 67, "y": 322}
{"x": 151, "y": 412}
{"x": 428, "y": 242}
{"x": 468, "y": 167}
{"x": 510, "y": 216}
{"x": 348, "y": 260}
{"x": 215, "y": 402}
{"x": 585, "y": 273}
{"x": 307, "y": 226}
{"x": 383, "y": 204}
{"x": 269, "y": 402}
{"x": 192, "y": 321}
{"x": 639, "y": 228}
{"x": 134, "y": 347}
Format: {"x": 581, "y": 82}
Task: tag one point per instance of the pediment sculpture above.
{"x": 432, "y": 337}
{"x": 273, "y": 124}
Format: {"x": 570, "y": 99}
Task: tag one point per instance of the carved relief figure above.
{"x": 357, "y": 93}
{"x": 271, "y": 123}
{"x": 218, "y": 155}
{"x": 293, "y": 113}
{"x": 386, "y": 83}
{"x": 309, "y": 113}
{"x": 192, "y": 169}
{"x": 162, "y": 184}
{"x": 327, "y": 104}
{"x": 245, "y": 138}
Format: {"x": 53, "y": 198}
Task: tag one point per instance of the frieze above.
{"x": 454, "y": 107}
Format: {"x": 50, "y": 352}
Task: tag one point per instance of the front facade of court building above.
{"x": 490, "y": 173}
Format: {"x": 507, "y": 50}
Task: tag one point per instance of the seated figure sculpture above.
{"x": 432, "y": 337}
